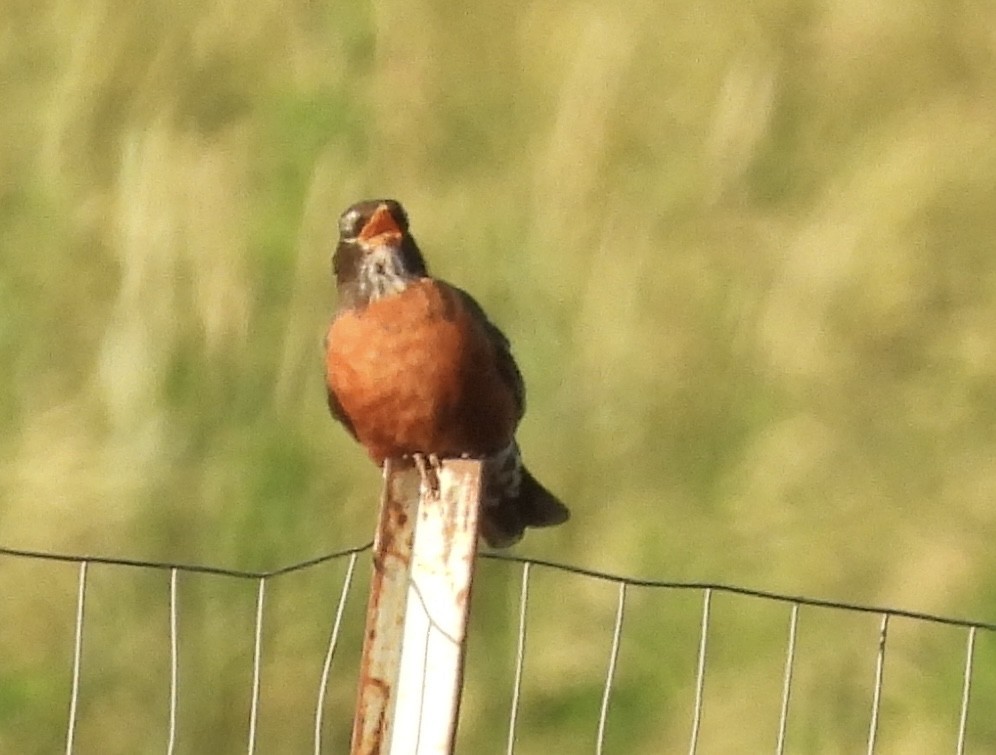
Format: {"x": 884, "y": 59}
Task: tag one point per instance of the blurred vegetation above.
{"x": 745, "y": 253}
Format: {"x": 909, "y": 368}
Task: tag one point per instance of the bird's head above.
{"x": 376, "y": 255}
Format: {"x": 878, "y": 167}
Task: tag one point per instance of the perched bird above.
{"x": 414, "y": 368}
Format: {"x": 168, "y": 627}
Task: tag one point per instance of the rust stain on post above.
{"x": 412, "y": 665}
{"x": 385, "y": 610}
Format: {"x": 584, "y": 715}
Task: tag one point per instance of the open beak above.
{"x": 381, "y": 228}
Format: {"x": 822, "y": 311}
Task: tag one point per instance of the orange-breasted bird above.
{"x": 415, "y": 368}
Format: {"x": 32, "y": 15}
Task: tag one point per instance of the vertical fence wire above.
{"x": 611, "y": 673}
{"x": 700, "y": 673}
{"x": 966, "y": 690}
{"x": 879, "y": 672}
{"x": 74, "y": 694}
{"x": 787, "y": 683}
{"x": 84, "y": 563}
{"x": 256, "y": 654}
{"x": 426, "y": 671}
{"x": 174, "y": 663}
{"x": 520, "y": 657}
{"x": 330, "y": 653}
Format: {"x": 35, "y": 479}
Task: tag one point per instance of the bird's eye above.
{"x": 350, "y": 223}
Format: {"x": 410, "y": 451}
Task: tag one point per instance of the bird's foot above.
{"x": 428, "y": 466}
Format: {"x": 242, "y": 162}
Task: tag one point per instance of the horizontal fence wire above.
{"x": 707, "y": 590}
{"x": 189, "y": 568}
{"x": 493, "y": 556}
{"x": 738, "y": 590}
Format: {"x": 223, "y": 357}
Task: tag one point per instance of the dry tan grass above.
{"x": 745, "y": 254}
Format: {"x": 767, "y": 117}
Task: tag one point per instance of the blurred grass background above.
{"x": 745, "y": 254}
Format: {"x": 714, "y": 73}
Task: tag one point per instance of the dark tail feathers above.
{"x": 535, "y": 506}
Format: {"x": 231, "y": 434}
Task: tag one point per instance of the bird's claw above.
{"x": 428, "y": 466}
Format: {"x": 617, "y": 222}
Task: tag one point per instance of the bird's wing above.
{"x": 507, "y": 367}
{"x": 335, "y": 406}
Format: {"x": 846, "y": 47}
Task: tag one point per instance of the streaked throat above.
{"x": 383, "y": 274}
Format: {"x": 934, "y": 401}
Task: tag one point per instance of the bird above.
{"x": 414, "y": 368}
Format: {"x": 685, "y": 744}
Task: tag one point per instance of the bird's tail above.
{"x": 504, "y": 518}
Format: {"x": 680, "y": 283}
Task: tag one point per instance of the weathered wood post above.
{"x": 411, "y": 670}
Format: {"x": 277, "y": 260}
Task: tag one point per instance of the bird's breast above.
{"x": 416, "y": 372}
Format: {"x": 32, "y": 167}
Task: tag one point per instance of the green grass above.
{"x": 745, "y": 257}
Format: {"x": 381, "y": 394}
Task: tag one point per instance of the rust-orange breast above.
{"x": 416, "y": 372}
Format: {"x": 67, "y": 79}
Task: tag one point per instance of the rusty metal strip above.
{"x": 431, "y": 675}
{"x": 380, "y": 660}
{"x": 412, "y": 665}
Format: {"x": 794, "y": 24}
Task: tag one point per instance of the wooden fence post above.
{"x": 411, "y": 670}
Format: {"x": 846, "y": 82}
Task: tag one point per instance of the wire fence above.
{"x": 624, "y": 585}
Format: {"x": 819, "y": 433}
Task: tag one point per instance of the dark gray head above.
{"x": 376, "y": 255}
